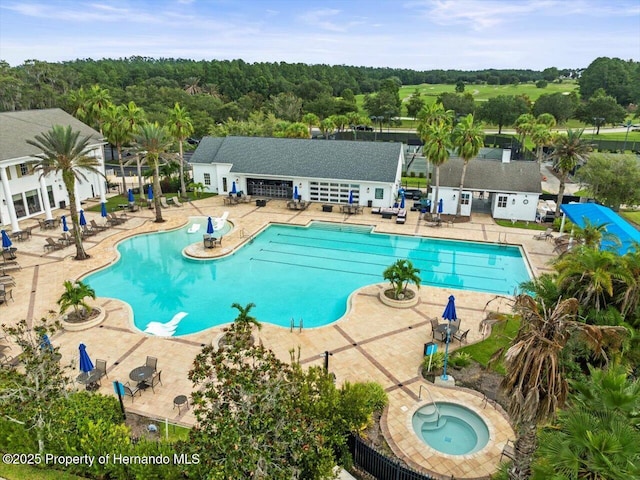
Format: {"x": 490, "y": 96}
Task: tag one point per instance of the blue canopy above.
{"x": 103, "y": 209}
{"x": 209, "y": 226}
{"x": 440, "y": 206}
{"x": 350, "y": 196}
{"x": 6, "y": 241}
{"x": 131, "y": 197}
{"x": 450, "y": 310}
{"x": 65, "y": 227}
{"x": 295, "y": 192}
{"x": 233, "y": 187}
{"x": 402, "y": 199}
{"x": 83, "y": 221}
{"x": 86, "y": 365}
{"x": 150, "y": 193}
{"x": 597, "y": 215}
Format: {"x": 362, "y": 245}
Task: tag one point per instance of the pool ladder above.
{"x": 432, "y": 401}
{"x": 293, "y": 325}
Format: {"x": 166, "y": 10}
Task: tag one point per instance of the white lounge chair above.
{"x": 194, "y": 228}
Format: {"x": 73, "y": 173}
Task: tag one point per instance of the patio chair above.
{"x": 26, "y": 233}
{"x": 509, "y": 451}
{"x": 52, "y": 244}
{"x": 434, "y": 326}
{"x": 8, "y": 257}
{"x": 152, "y": 362}
{"x": 543, "y": 236}
{"x": 209, "y": 242}
{"x": 163, "y": 202}
{"x": 5, "y": 294}
{"x": 130, "y": 391}
{"x": 155, "y": 380}
{"x": 176, "y": 201}
{"x": 461, "y": 337}
{"x": 101, "y": 366}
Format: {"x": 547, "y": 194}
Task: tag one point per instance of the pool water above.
{"x": 289, "y": 272}
{"x": 451, "y": 429}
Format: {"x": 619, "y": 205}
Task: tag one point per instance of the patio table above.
{"x": 140, "y": 375}
{"x": 89, "y": 379}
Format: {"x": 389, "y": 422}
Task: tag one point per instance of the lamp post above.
{"x": 628, "y": 125}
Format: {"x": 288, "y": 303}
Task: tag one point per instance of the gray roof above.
{"x": 18, "y": 127}
{"x": 346, "y": 160}
{"x": 492, "y": 175}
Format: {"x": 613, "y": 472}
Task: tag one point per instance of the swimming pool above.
{"x": 289, "y": 272}
{"x": 450, "y": 428}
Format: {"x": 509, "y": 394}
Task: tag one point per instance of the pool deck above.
{"x": 372, "y": 342}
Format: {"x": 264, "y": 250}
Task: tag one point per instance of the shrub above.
{"x": 412, "y": 174}
{"x": 437, "y": 362}
{"x": 358, "y": 402}
{"x": 460, "y": 359}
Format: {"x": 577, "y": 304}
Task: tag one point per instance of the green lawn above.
{"x": 114, "y": 202}
{"x": 21, "y": 472}
{"x": 501, "y": 335}
{"x": 522, "y": 224}
{"x": 632, "y": 216}
{"x": 176, "y": 432}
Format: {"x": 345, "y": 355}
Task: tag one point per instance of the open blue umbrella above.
{"x": 131, "y": 197}
{"x": 350, "y": 196}
{"x": 103, "y": 209}
{"x": 440, "y": 206}
{"x": 86, "y": 365}
{"x": 210, "y": 226}
{"x": 450, "y": 310}
{"x": 233, "y": 187}
{"x": 83, "y": 221}
{"x": 402, "y": 199}
{"x": 150, "y": 193}
{"x": 6, "y": 241}
{"x": 65, "y": 227}
{"x": 295, "y": 192}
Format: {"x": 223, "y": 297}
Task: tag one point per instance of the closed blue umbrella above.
{"x": 210, "y": 226}
{"x": 65, "y": 227}
{"x": 103, "y": 209}
{"x": 295, "y": 192}
{"x": 86, "y": 365}
{"x": 6, "y": 241}
{"x": 350, "y": 196}
{"x": 402, "y": 199}
{"x": 233, "y": 187}
{"x": 45, "y": 343}
{"x": 83, "y": 221}
{"x": 450, "y": 310}
{"x": 150, "y": 193}
{"x": 440, "y": 206}
{"x": 131, "y": 197}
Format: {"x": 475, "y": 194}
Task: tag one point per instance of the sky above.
{"x": 414, "y": 34}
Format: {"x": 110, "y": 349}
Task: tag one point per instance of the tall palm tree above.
{"x": 535, "y": 381}
{"x": 436, "y": 139}
{"x": 117, "y": 133}
{"x": 468, "y": 140}
{"x": 310, "y": 119}
{"x": 180, "y": 128}
{"x": 97, "y": 100}
{"x": 152, "y": 143}
{"x": 524, "y": 125}
{"x": 132, "y": 116}
{"x": 592, "y": 234}
{"x": 64, "y": 152}
{"x": 569, "y": 151}
{"x": 541, "y": 136}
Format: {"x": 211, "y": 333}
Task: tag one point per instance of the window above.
{"x": 50, "y": 195}
{"x": 33, "y": 202}
{"x": 502, "y": 201}
{"x": 24, "y": 169}
{"x": 464, "y": 199}
{"x": 207, "y": 179}
{"x": 379, "y": 193}
{"x": 18, "y": 204}
{"x": 224, "y": 184}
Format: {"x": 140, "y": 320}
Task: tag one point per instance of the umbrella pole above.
{"x": 446, "y": 354}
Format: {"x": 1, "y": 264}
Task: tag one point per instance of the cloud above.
{"x": 320, "y": 18}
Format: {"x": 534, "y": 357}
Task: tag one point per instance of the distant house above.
{"x": 321, "y": 171}
{"x": 23, "y": 193}
{"x": 509, "y": 189}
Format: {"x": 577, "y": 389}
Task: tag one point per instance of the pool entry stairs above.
{"x": 431, "y": 418}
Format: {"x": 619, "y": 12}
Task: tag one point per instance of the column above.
{"x": 7, "y": 193}
{"x": 45, "y": 197}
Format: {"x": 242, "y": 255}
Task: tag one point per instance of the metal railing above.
{"x": 435, "y": 405}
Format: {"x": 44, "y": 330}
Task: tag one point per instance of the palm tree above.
{"x": 400, "y": 274}
{"x": 535, "y": 381}
{"x": 524, "y": 125}
{"x": 592, "y": 234}
{"x": 180, "y": 127}
{"x": 544, "y": 289}
{"x": 468, "y": 140}
{"x": 74, "y": 295}
{"x": 629, "y": 294}
{"x": 326, "y": 127}
{"x": 96, "y": 102}
{"x": 116, "y": 132}
{"x": 569, "y": 151}
{"x": 541, "y": 136}
{"x": 64, "y": 152}
{"x": 310, "y": 119}
{"x": 436, "y": 139}
{"x": 152, "y": 143}
{"x": 132, "y": 116}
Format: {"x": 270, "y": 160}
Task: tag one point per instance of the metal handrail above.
{"x": 432, "y": 401}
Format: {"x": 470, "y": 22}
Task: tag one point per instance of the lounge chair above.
{"x": 163, "y": 202}
{"x": 52, "y": 244}
{"x": 98, "y": 228}
{"x": 7, "y": 280}
{"x": 87, "y": 231}
{"x": 176, "y": 201}
{"x": 545, "y": 235}
{"x": 113, "y": 220}
{"x": 5, "y": 294}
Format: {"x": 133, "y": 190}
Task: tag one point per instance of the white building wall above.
{"x": 519, "y": 206}
{"x": 449, "y": 198}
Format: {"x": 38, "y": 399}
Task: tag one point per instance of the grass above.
{"x": 114, "y": 202}
{"x": 414, "y": 182}
{"x": 176, "y": 432}
{"x": 20, "y": 472}
{"x": 632, "y": 216}
{"x": 522, "y": 224}
{"x": 501, "y": 336}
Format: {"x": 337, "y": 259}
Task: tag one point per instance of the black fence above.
{"x": 376, "y": 464}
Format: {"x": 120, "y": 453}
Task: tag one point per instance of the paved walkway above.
{"x": 371, "y": 342}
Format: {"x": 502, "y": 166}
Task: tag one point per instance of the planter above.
{"x": 78, "y": 326}
{"x": 411, "y": 300}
